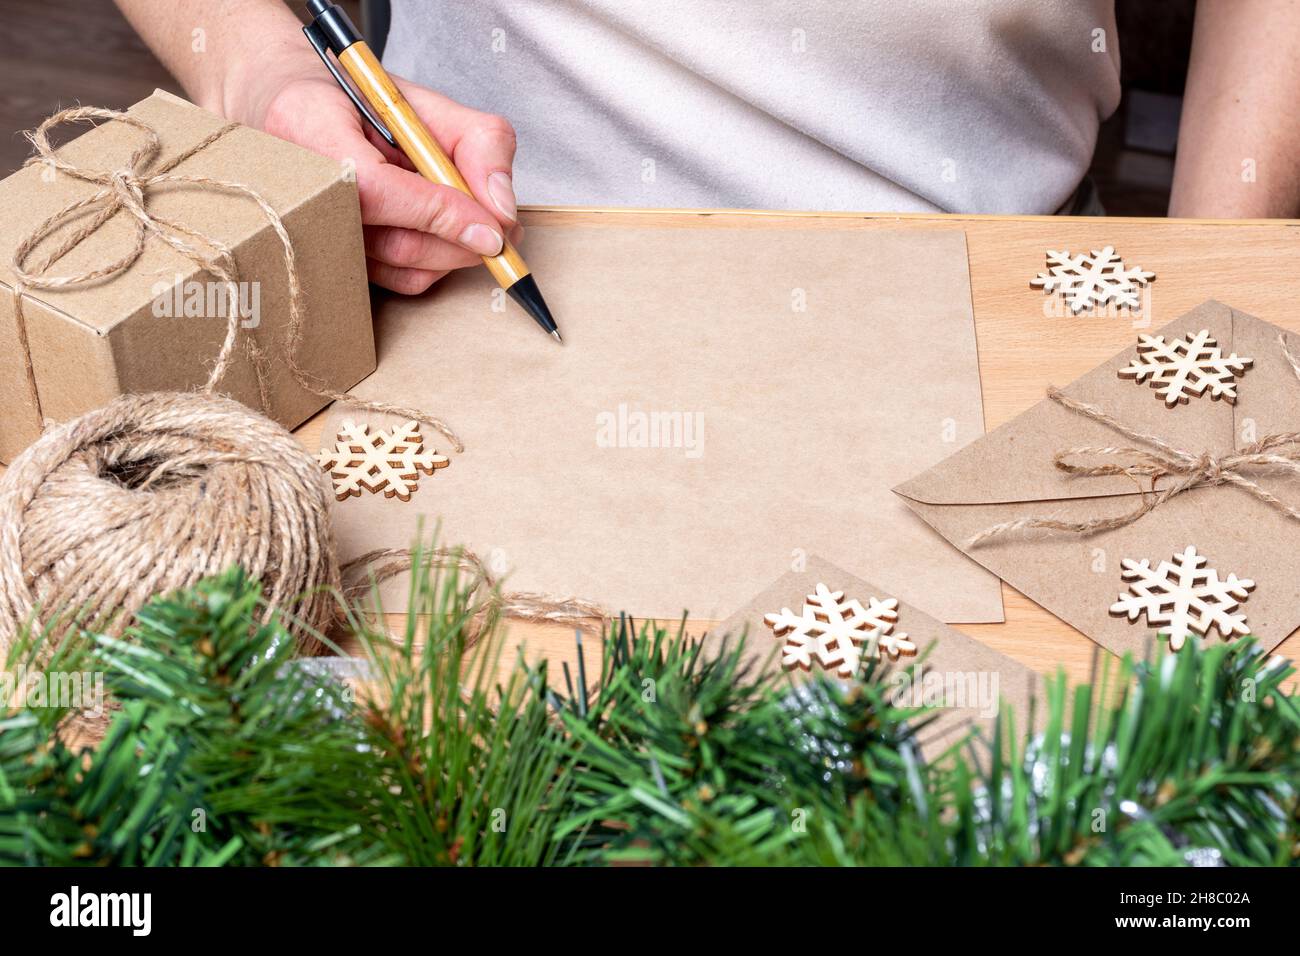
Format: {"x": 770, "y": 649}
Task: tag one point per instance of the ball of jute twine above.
{"x": 153, "y": 493}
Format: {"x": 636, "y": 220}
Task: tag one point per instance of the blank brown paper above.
{"x": 727, "y": 402}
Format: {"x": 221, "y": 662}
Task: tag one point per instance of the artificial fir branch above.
{"x": 225, "y": 750}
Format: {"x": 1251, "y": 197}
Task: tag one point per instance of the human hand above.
{"x": 416, "y": 231}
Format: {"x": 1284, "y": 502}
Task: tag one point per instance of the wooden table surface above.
{"x": 1026, "y": 341}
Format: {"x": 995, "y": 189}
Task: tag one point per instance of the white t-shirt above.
{"x": 987, "y": 106}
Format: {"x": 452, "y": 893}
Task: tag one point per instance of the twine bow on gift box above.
{"x": 126, "y": 190}
{"x": 1272, "y": 454}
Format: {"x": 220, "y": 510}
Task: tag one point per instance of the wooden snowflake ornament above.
{"x": 1185, "y": 367}
{"x": 387, "y": 461}
{"x": 1088, "y": 281}
{"x": 833, "y": 632}
{"x": 1183, "y": 597}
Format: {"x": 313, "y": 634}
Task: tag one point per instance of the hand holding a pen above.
{"x": 433, "y": 176}
{"x": 259, "y": 71}
{"x": 416, "y": 231}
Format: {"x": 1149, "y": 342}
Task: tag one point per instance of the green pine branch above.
{"x": 223, "y": 749}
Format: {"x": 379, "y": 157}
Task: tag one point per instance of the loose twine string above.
{"x": 154, "y": 492}
{"x": 1273, "y": 454}
{"x": 375, "y": 567}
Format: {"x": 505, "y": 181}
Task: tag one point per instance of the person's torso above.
{"x": 953, "y": 105}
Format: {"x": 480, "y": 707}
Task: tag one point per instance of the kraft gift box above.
{"x": 160, "y": 323}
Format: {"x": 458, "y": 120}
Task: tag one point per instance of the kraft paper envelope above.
{"x": 1009, "y": 474}
{"x": 968, "y": 684}
{"x": 724, "y": 400}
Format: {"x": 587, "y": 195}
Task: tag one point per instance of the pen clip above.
{"x": 321, "y": 46}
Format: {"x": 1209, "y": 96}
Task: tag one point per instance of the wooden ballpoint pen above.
{"x": 331, "y": 31}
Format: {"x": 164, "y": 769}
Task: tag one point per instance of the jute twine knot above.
{"x": 1157, "y": 460}
{"x": 155, "y": 492}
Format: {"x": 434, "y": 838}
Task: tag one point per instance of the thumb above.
{"x": 482, "y": 145}
{"x": 485, "y": 155}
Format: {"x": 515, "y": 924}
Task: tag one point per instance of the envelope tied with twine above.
{"x": 1068, "y": 500}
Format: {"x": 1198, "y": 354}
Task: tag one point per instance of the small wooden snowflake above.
{"x": 1185, "y": 367}
{"x": 1086, "y": 281}
{"x": 832, "y": 631}
{"x": 387, "y": 461}
{"x": 1183, "y": 597}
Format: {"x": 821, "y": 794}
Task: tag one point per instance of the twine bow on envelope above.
{"x": 1273, "y": 454}
{"x": 126, "y": 190}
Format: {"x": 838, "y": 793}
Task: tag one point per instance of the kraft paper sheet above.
{"x": 797, "y": 377}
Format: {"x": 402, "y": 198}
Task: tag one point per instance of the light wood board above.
{"x": 1024, "y": 345}
{"x": 1252, "y": 265}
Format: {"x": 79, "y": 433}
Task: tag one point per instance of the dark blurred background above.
{"x": 64, "y": 52}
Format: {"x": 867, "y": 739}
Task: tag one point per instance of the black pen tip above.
{"x": 529, "y": 297}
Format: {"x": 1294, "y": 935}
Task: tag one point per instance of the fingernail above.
{"x": 482, "y": 239}
{"x": 502, "y": 191}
